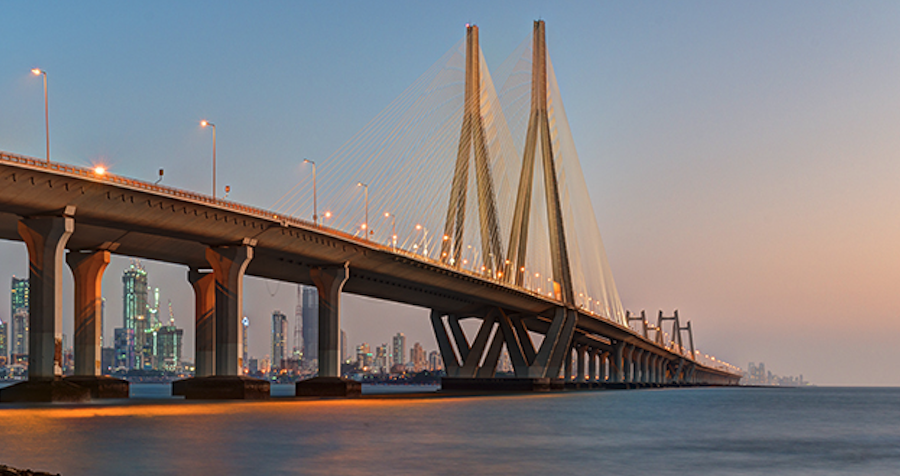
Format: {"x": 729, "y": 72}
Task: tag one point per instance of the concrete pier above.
{"x": 329, "y": 282}
{"x": 87, "y": 270}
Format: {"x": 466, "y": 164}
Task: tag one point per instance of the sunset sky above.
{"x": 743, "y": 158}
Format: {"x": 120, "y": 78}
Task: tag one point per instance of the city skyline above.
{"x": 741, "y": 158}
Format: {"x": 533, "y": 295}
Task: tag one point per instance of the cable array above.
{"x": 407, "y": 156}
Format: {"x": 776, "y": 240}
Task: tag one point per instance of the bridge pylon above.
{"x": 538, "y": 133}
{"x": 472, "y": 142}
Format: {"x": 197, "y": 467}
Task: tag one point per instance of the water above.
{"x": 721, "y": 431}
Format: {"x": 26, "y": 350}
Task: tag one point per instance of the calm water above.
{"x": 821, "y": 431}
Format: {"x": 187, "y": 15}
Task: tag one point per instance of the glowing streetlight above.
{"x": 100, "y": 170}
{"x": 365, "y": 226}
{"x": 424, "y": 238}
{"x": 40, "y": 72}
{"x": 315, "y": 192}
{"x": 393, "y": 230}
{"x": 205, "y": 123}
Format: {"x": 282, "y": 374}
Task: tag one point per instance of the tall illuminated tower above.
{"x": 134, "y": 308}
{"x": 279, "y": 335}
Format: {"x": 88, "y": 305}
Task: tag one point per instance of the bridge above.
{"x": 490, "y": 268}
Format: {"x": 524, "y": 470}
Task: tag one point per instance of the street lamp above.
{"x": 393, "y": 230}
{"x": 366, "y": 224}
{"x": 315, "y": 192}
{"x": 205, "y": 123}
{"x": 424, "y": 238}
{"x": 36, "y": 72}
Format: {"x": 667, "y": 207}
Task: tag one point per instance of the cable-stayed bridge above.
{"x": 479, "y": 210}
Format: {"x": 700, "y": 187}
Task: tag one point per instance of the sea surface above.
{"x": 715, "y": 431}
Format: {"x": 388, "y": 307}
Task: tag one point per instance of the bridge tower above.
{"x": 547, "y": 360}
{"x": 472, "y": 142}
{"x": 539, "y": 130}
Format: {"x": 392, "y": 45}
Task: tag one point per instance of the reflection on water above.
{"x": 699, "y": 431}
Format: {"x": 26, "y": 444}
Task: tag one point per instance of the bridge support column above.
{"x": 645, "y": 366}
{"x": 579, "y": 359}
{"x": 592, "y": 366}
{"x": 228, "y": 264}
{"x": 329, "y": 282}
{"x": 602, "y": 372}
{"x": 204, "y": 285}
{"x": 637, "y": 359}
{"x": 46, "y": 238}
{"x": 567, "y": 366}
{"x": 87, "y": 270}
{"x": 629, "y": 364}
{"x": 617, "y": 363}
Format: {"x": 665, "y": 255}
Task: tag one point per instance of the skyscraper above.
{"x": 168, "y": 344}
{"x": 134, "y": 310}
{"x": 4, "y": 343}
{"x": 19, "y": 336}
{"x": 18, "y": 301}
{"x": 398, "y": 350}
{"x": 279, "y": 334}
{"x": 19, "y": 298}
{"x": 310, "y": 324}
{"x": 297, "y": 341}
{"x": 124, "y": 345}
{"x": 417, "y": 357}
{"x": 245, "y": 342}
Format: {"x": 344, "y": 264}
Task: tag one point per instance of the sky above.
{"x": 741, "y": 156}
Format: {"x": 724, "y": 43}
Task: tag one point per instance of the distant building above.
{"x": 279, "y": 336}
{"x": 19, "y": 337}
{"x": 310, "y": 323}
{"x": 107, "y": 360}
{"x": 19, "y": 298}
{"x": 398, "y": 349}
{"x": 382, "y": 359}
{"x": 135, "y": 314}
{"x": 18, "y": 348}
{"x": 417, "y": 357}
{"x": 245, "y": 343}
{"x": 345, "y": 352}
{"x": 4, "y": 343}
{"x": 168, "y": 345}
{"x": 124, "y": 348}
{"x": 435, "y": 363}
{"x": 364, "y": 356}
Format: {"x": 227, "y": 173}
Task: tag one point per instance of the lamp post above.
{"x": 424, "y": 238}
{"x": 315, "y": 193}
{"x": 366, "y": 224}
{"x": 205, "y": 123}
{"x": 393, "y": 230}
{"x": 37, "y": 71}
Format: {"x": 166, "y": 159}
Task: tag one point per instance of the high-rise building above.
{"x": 417, "y": 357}
{"x": 398, "y": 349}
{"x": 310, "y": 324}
{"x": 4, "y": 343}
{"x": 297, "y": 341}
{"x": 124, "y": 345}
{"x": 18, "y": 350}
{"x": 345, "y": 352}
{"x": 168, "y": 342}
{"x": 19, "y": 298}
{"x": 19, "y": 336}
{"x": 382, "y": 361}
{"x": 435, "y": 362}
{"x": 279, "y": 335}
{"x": 245, "y": 342}
{"x": 363, "y": 356}
{"x": 135, "y": 313}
